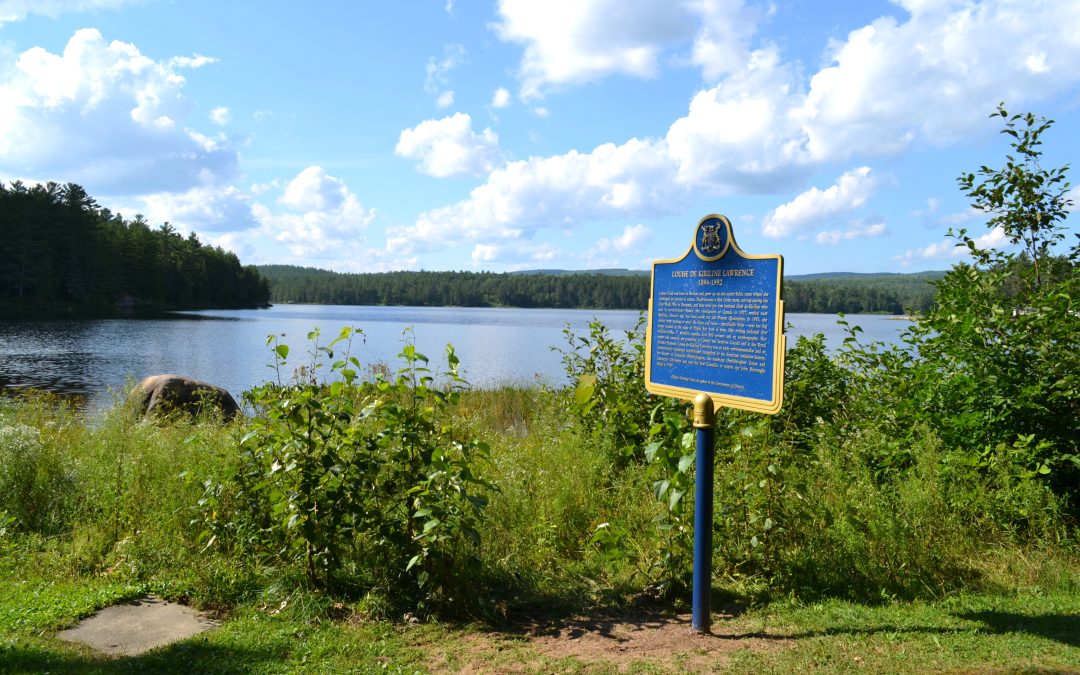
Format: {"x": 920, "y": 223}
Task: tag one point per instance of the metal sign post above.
{"x": 701, "y": 618}
{"x": 716, "y": 337}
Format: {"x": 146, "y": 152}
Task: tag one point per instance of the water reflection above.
{"x": 496, "y": 346}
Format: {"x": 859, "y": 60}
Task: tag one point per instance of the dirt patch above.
{"x": 614, "y": 641}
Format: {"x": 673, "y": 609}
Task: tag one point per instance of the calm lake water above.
{"x": 228, "y": 347}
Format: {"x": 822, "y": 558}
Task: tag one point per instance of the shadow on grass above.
{"x": 1064, "y": 628}
{"x": 187, "y": 657}
{"x": 558, "y": 617}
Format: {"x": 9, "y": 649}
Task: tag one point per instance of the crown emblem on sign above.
{"x": 710, "y": 239}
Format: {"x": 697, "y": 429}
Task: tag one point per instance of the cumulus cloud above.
{"x": 765, "y": 127}
{"x": 564, "y": 190}
{"x": 321, "y": 216}
{"x": 200, "y": 209}
{"x": 104, "y": 115}
{"x": 964, "y": 57}
{"x": 445, "y": 100}
{"x": 501, "y": 98}
{"x": 574, "y": 41}
{"x": 449, "y": 147}
{"x": 811, "y": 208}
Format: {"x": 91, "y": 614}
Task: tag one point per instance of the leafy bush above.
{"x": 996, "y": 363}
{"x": 608, "y": 396}
{"x": 369, "y": 484}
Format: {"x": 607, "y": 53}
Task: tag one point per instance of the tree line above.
{"x": 456, "y": 289}
{"x": 61, "y": 253}
{"x": 851, "y": 293}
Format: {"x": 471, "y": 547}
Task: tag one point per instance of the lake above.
{"x": 95, "y": 358}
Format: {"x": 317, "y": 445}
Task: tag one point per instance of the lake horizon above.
{"x": 96, "y": 358}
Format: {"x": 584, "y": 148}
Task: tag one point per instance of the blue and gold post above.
{"x": 704, "y": 422}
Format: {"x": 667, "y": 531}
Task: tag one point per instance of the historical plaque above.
{"x": 716, "y": 323}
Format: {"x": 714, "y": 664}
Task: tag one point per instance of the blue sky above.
{"x": 519, "y": 134}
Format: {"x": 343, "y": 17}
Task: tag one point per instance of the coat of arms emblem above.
{"x": 711, "y": 243}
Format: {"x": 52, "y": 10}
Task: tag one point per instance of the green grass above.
{"x": 129, "y": 527}
{"x": 1027, "y": 632}
{"x": 1006, "y": 632}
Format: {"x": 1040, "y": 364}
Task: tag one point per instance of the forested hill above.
{"x": 887, "y": 293}
{"x": 61, "y": 254}
{"x": 600, "y": 289}
{"x": 456, "y": 289}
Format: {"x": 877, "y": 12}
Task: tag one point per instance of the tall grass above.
{"x": 806, "y": 515}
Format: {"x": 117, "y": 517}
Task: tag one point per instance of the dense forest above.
{"x": 457, "y": 289}
{"x": 861, "y": 293}
{"x": 603, "y": 289}
{"x": 60, "y": 253}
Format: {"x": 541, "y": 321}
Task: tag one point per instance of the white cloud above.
{"x": 518, "y": 255}
{"x": 313, "y": 190}
{"x": 852, "y": 231}
{"x": 232, "y": 241}
{"x": 1036, "y": 63}
{"x": 104, "y": 115}
{"x": 720, "y": 47}
{"x": 445, "y": 100}
{"x": 560, "y": 191}
{"x": 541, "y": 112}
{"x": 200, "y": 209}
{"x": 501, "y": 98}
{"x": 932, "y": 206}
{"x": 963, "y": 58}
{"x": 575, "y": 41}
{"x": 961, "y": 217}
{"x": 197, "y": 61}
{"x": 948, "y": 249}
{"x": 765, "y": 127}
{"x": 449, "y": 147}
{"x": 220, "y": 115}
{"x": 738, "y": 136}
{"x": 632, "y": 237}
{"x": 322, "y": 216}
{"x": 438, "y": 70}
{"x": 814, "y": 207}
{"x": 17, "y": 10}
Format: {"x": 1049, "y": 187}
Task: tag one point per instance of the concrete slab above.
{"x": 137, "y": 627}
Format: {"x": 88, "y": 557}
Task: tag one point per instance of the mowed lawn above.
{"x": 302, "y": 632}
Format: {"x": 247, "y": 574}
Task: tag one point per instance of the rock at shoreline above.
{"x": 166, "y": 394}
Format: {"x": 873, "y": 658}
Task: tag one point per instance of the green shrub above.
{"x": 925, "y": 530}
{"x": 362, "y": 484}
{"x": 37, "y": 486}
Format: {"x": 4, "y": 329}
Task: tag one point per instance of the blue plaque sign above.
{"x": 716, "y": 323}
